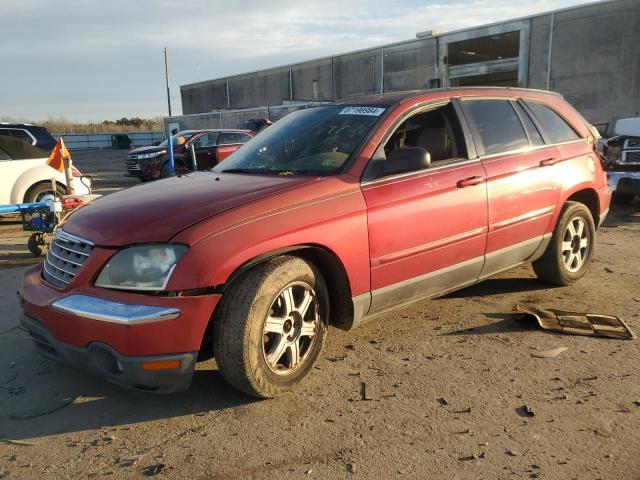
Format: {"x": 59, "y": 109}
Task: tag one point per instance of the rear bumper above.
{"x": 100, "y": 359}
{"x": 624, "y": 182}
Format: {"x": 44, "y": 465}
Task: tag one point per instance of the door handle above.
{"x": 469, "y": 182}
{"x": 548, "y": 162}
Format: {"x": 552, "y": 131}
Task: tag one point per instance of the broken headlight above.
{"x": 141, "y": 267}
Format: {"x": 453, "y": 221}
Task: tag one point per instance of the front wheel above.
{"x": 271, "y": 326}
{"x": 569, "y": 253}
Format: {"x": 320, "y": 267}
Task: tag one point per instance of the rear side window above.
{"x": 553, "y": 124}
{"x": 4, "y": 155}
{"x": 532, "y": 130}
{"x": 244, "y": 138}
{"x": 4, "y": 132}
{"x": 497, "y": 125}
{"x": 22, "y": 135}
{"x": 228, "y": 138}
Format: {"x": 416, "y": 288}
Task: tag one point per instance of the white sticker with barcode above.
{"x": 371, "y": 111}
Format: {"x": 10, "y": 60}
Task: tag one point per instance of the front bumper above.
{"x": 95, "y": 328}
{"x": 624, "y": 182}
{"x": 100, "y": 359}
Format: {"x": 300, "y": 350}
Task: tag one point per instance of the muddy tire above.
{"x": 271, "y": 326}
{"x": 571, "y": 248}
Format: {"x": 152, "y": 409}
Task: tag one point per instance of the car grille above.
{"x": 632, "y": 156}
{"x": 65, "y": 257}
{"x": 131, "y": 164}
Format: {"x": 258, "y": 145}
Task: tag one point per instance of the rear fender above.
{"x": 32, "y": 176}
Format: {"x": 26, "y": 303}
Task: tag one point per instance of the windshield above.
{"x": 175, "y": 139}
{"x": 314, "y": 141}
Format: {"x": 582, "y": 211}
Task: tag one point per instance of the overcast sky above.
{"x": 102, "y": 59}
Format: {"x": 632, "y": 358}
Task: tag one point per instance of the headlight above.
{"x": 152, "y": 155}
{"x": 142, "y": 267}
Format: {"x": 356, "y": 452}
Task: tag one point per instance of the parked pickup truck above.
{"x": 622, "y": 160}
{"x": 333, "y": 216}
{"x": 210, "y": 147}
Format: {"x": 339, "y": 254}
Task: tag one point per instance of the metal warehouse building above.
{"x": 589, "y": 53}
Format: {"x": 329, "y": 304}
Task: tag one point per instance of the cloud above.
{"x": 100, "y": 59}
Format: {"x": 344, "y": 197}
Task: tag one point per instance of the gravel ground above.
{"x": 446, "y": 382}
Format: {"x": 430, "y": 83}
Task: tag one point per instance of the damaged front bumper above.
{"x": 624, "y": 181}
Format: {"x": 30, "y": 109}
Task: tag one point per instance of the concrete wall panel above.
{"x": 305, "y": 74}
{"x": 411, "y": 65}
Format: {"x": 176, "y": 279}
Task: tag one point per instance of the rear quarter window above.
{"x": 555, "y": 127}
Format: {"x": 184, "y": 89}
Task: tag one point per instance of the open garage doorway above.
{"x": 494, "y": 56}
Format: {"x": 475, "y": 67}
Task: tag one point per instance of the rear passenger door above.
{"x": 205, "y": 149}
{"x": 229, "y": 143}
{"x": 523, "y": 191}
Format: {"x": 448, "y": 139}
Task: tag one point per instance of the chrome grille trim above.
{"x": 66, "y": 255}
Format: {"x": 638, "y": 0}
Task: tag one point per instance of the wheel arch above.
{"x": 331, "y": 268}
{"x": 32, "y": 177}
{"x": 589, "y": 198}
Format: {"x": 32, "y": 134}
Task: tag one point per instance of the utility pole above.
{"x": 166, "y": 77}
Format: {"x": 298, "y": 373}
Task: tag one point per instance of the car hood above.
{"x": 155, "y": 212}
{"x": 149, "y": 149}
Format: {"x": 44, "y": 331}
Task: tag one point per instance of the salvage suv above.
{"x": 332, "y": 216}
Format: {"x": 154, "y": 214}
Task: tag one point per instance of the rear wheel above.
{"x": 42, "y": 192}
{"x": 571, "y": 248}
{"x": 271, "y": 326}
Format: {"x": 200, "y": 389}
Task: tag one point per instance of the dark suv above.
{"x": 32, "y": 134}
{"x": 210, "y": 148}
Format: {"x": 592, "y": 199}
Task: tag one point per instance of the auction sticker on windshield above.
{"x": 371, "y": 111}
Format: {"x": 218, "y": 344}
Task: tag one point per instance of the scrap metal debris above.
{"x": 577, "y": 323}
{"x": 549, "y": 353}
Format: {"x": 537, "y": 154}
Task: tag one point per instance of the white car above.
{"x": 26, "y": 177}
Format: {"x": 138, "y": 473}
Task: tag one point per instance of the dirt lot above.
{"x": 449, "y": 380}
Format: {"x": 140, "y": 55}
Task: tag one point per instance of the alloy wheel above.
{"x": 290, "y": 329}
{"x": 575, "y": 244}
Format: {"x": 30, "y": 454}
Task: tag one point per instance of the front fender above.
{"x": 336, "y": 222}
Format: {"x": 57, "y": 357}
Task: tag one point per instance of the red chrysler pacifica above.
{"x": 333, "y": 216}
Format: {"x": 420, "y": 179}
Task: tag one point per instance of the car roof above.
{"x": 389, "y": 99}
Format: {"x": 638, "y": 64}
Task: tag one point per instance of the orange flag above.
{"x": 57, "y": 155}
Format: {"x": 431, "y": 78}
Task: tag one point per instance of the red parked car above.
{"x": 209, "y": 146}
{"x": 332, "y": 216}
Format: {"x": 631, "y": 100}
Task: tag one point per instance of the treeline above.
{"x": 62, "y": 125}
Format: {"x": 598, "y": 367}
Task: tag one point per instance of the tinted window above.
{"x": 532, "y": 130}
{"x": 497, "y": 124}
{"x": 4, "y": 155}
{"x": 553, "y": 124}
{"x": 4, "y": 132}
{"x": 243, "y": 137}
{"x": 22, "y": 135}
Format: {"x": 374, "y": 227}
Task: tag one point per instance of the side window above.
{"x": 4, "y": 155}
{"x": 4, "y": 132}
{"x": 532, "y": 130}
{"x": 22, "y": 135}
{"x": 556, "y": 128}
{"x": 497, "y": 125}
{"x": 437, "y": 130}
{"x": 228, "y": 138}
{"x": 205, "y": 141}
{"x": 244, "y": 137}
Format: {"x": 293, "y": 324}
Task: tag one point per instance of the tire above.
{"x": 257, "y": 356}
{"x": 569, "y": 254}
{"x": 35, "y": 244}
{"x": 622, "y": 198}
{"x": 164, "y": 172}
{"x": 39, "y": 191}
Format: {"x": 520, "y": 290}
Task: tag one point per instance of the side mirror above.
{"x": 407, "y": 159}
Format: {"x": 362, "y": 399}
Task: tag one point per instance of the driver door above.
{"x": 428, "y": 228}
